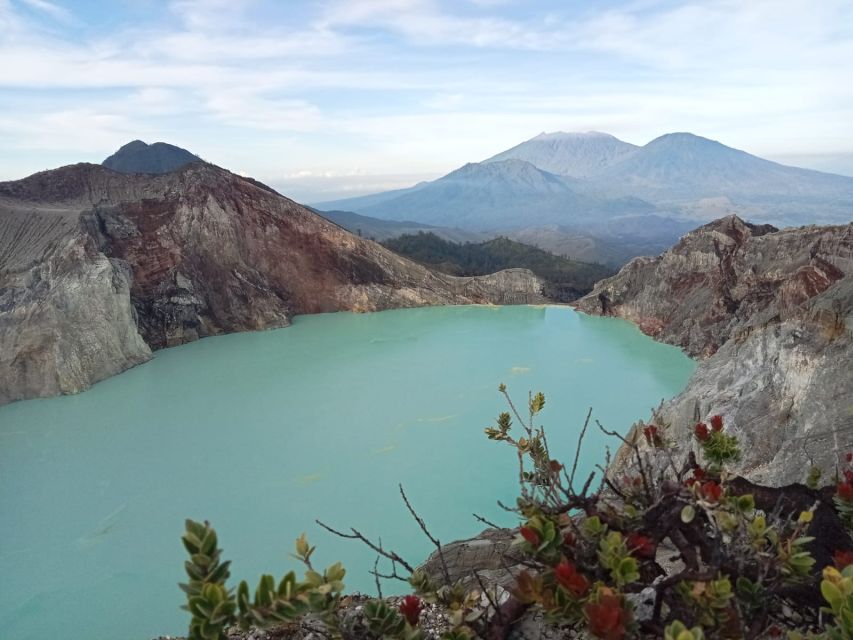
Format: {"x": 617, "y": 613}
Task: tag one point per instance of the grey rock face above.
{"x": 97, "y": 268}
{"x": 66, "y": 320}
{"x": 770, "y": 315}
{"x": 485, "y": 554}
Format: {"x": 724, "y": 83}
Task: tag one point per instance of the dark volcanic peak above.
{"x": 139, "y": 157}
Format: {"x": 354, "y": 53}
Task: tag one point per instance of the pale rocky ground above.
{"x": 98, "y": 268}
{"x": 769, "y": 314}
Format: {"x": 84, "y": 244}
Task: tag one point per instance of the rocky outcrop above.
{"x": 66, "y": 320}
{"x": 97, "y": 266}
{"x": 769, "y": 314}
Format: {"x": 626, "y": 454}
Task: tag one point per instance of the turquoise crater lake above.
{"x": 261, "y": 433}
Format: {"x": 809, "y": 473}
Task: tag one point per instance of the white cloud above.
{"x": 49, "y": 8}
{"x": 424, "y": 85}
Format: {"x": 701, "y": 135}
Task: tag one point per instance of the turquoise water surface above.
{"x": 261, "y": 433}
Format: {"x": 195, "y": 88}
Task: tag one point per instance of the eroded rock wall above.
{"x": 769, "y": 314}
{"x": 97, "y": 267}
{"x": 66, "y": 320}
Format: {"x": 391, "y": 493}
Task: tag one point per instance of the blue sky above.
{"x": 339, "y": 97}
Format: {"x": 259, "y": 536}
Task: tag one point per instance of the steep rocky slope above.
{"x": 97, "y": 267}
{"x": 770, "y": 315}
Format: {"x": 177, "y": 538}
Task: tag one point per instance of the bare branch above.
{"x": 376, "y": 575}
{"x": 578, "y": 450}
{"x": 432, "y": 538}
{"x": 487, "y": 522}
{"x": 357, "y": 535}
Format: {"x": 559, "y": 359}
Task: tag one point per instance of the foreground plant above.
{"x": 754, "y": 560}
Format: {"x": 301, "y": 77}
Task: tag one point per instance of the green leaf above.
{"x": 746, "y": 503}
{"x": 537, "y": 402}
{"x": 302, "y": 546}
{"x": 687, "y": 514}
{"x": 831, "y": 594}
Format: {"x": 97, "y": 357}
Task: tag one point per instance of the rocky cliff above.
{"x": 769, "y": 314}
{"x": 98, "y": 267}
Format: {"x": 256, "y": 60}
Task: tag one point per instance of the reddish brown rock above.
{"x": 770, "y": 316}
{"x": 197, "y": 252}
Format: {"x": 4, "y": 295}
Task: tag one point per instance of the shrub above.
{"x": 755, "y": 559}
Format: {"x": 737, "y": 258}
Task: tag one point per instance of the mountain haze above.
{"x": 501, "y": 194}
{"x": 574, "y": 180}
{"x": 686, "y": 166}
{"x": 577, "y": 155}
{"x": 379, "y": 230}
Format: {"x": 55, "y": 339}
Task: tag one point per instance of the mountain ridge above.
{"x": 496, "y": 195}
{"x": 573, "y": 154}
{"x": 106, "y": 267}
{"x": 678, "y": 175}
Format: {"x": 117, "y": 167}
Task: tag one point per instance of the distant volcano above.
{"x": 139, "y": 157}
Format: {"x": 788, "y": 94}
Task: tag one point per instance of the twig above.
{"x": 578, "y": 450}
{"x": 633, "y": 446}
{"x": 506, "y": 508}
{"x": 487, "y": 522}
{"x": 376, "y": 575}
{"x": 432, "y": 538}
{"x": 514, "y": 410}
{"x": 609, "y": 483}
{"x": 357, "y": 535}
{"x": 492, "y": 602}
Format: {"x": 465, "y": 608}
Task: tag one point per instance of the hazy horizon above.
{"x": 333, "y": 99}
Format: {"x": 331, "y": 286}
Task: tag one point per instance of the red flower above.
{"x": 842, "y": 559}
{"x": 530, "y": 535}
{"x": 607, "y": 618}
{"x": 567, "y": 576}
{"x": 569, "y": 539}
{"x": 848, "y": 476}
{"x": 698, "y": 476}
{"x": 717, "y": 423}
{"x": 774, "y": 632}
{"x": 849, "y": 456}
{"x": 640, "y": 545}
{"x": 411, "y": 607}
{"x": 701, "y": 430}
{"x": 845, "y": 491}
{"x": 555, "y": 466}
{"x": 652, "y": 436}
{"x": 712, "y": 491}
